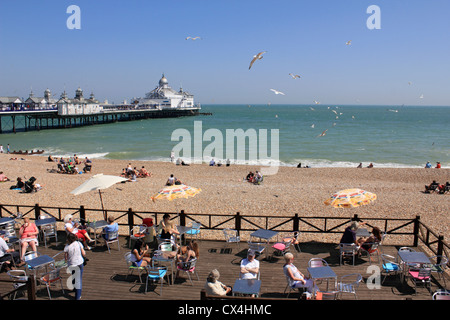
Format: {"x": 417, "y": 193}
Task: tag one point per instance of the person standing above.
{"x": 1, "y": 148}
{"x": 7, "y": 148}
{"x": 74, "y": 255}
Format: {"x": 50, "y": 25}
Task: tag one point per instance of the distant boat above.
{"x": 391, "y": 110}
{"x": 27, "y": 153}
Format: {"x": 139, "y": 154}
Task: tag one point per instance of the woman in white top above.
{"x": 295, "y": 278}
{"x": 74, "y": 255}
{"x": 72, "y": 227}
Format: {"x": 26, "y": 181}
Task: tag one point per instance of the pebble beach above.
{"x": 292, "y": 190}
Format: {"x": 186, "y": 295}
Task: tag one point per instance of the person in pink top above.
{"x": 28, "y": 233}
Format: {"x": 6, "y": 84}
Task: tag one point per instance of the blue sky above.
{"x": 123, "y": 47}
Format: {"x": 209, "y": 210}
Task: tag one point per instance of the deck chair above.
{"x": 441, "y": 295}
{"x": 421, "y": 275}
{"x": 137, "y": 232}
{"x": 280, "y": 248}
{"x": 48, "y": 231}
{"x": 317, "y": 262}
{"x": 373, "y": 250}
{"x": 15, "y": 276}
{"x": 390, "y": 266}
{"x": 439, "y": 267}
{"x": 195, "y": 231}
{"x": 110, "y": 238}
{"x": 258, "y": 247}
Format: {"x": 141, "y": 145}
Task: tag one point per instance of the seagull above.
{"x": 335, "y": 112}
{"x": 256, "y": 57}
{"x": 421, "y": 96}
{"x": 323, "y": 133}
{"x": 409, "y": 82}
{"x": 349, "y": 42}
{"x": 312, "y": 109}
{"x": 294, "y": 76}
{"x": 316, "y": 102}
{"x": 277, "y": 92}
{"x": 192, "y": 38}
{"x": 312, "y": 126}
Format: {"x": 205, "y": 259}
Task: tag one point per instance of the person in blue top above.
{"x": 428, "y": 165}
{"x": 111, "y": 227}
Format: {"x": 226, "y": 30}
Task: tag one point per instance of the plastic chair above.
{"x": 188, "y": 267}
{"x": 349, "y": 284}
{"x": 28, "y": 256}
{"x": 165, "y": 245}
{"x": 282, "y": 247}
{"x": 15, "y": 276}
{"x": 347, "y": 250}
{"x": 288, "y": 286}
{"x": 231, "y": 236}
{"x": 50, "y": 278}
{"x": 155, "y": 274}
{"x": 195, "y": 231}
{"x": 110, "y": 238}
{"x": 390, "y": 266}
{"x": 131, "y": 266}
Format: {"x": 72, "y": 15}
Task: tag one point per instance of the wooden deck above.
{"x": 105, "y": 276}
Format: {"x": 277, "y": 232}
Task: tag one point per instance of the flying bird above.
{"x": 349, "y": 42}
{"x": 323, "y": 133}
{"x": 316, "y": 102}
{"x": 312, "y": 109}
{"x": 421, "y": 96}
{"x": 192, "y": 38}
{"x": 294, "y": 76}
{"x": 312, "y": 126}
{"x": 259, "y": 56}
{"x": 277, "y": 92}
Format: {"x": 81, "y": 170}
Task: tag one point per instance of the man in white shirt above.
{"x": 11, "y": 257}
{"x": 249, "y": 266}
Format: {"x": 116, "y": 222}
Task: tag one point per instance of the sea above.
{"x": 313, "y": 135}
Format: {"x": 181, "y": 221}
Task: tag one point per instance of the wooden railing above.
{"x": 411, "y": 228}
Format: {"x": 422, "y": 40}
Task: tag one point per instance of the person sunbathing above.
{"x": 432, "y": 187}
{"x": 3, "y": 177}
{"x": 143, "y": 173}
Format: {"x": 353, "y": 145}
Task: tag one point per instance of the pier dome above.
{"x": 163, "y": 81}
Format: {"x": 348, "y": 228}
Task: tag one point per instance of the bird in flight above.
{"x": 349, "y": 42}
{"x": 323, "y": 133}
{"x": 192, "y": 38}
{"x": 294, "y": 76}
{"x": 316, "y": 102}
{"x": 421, "y": 96}
{"x": 277, "y": 92}
{"x": 258, "y": 56}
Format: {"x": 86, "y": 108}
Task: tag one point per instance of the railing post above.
{"x": 1, "y": 211}
{"x": 82, "y": 215}
{"x": 37, "y": 211}
{"x": 182, "y": 218}
{"x": 416, "y": 231}
{"x": 440, "y": 248}
{"x": 130, "y": 218}
{"x": 237, "y": 222}
{"x": 296, "y": 225}
{"x": 31, "y": 288}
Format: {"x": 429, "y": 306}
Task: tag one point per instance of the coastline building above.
{"x": 10, "y": 103}
{"x": 40, "y": 103}
{"x": 164, "y": 97}
{"x": 78, "y": 105}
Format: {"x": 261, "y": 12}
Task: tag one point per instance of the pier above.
{"x": 29, "y": 120}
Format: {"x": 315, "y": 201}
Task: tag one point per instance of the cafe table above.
{"x": 264, "y": 234}
{"x": 101, "y": 224}
{"x": 362, "y": 232}
{"x": 322, "y": 273}
{"x": 165, "y": 257}
{"x": 38, "y": 263}
{"x": 182, "y": 230}
{"x": 411, "y": 258}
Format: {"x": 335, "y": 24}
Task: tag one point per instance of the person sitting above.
{"x": 19, "y": 185}
{"x": 295, "y": 278}
{"x": 212, "y": 163}
{"x": 359, "y": 166}
{"x": 111, "y": 227}
{"x": 214, "y": 287}
{"x": 171, "y": 180}
{"x": 140, "y": 254}
{"x": 349, "y": 235}
{"x": 3, "y": 177}
{"x": 50, "y": 158}
{"x": 249, "y": 266}
{"x": 189, "y": 252}
{"x": 76, "y": 160}
{"x": 370, "y": 165}
{"x": 428, "y": 165}
{"x": 7, "y": 255}
{"x": 72, "y": 227}
{"x": 178, "y": 162}
{"x": 143, "y": 173}
{"x": 184, "y": 163}
{"x": 178, "y": 182}
{"x": 432, "y": 187}
{"x": 250, "y": 176}
{"x": 258, "y": 178}
{"x": 367, "y": 243}
{"x": 169, "y": 232}
{"x": 87, "y": 165}
{"x": 219, "y": 164}
{"x": 438, "y": 165}
{"x": 28, "y": 186}
{"x": 28, "y": 233}
{"x": 228, "y": 163}
{"x": 299, "y": 165}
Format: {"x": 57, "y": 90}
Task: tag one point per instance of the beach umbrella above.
{"x": 349, "y": 198}
{"x": 98, "y": 182}
{"x": 176, "y": 192}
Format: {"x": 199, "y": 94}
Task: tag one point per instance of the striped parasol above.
{"x": 175, "y": 192}
{"x": 349, "y": 198}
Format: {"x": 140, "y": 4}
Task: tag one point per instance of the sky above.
{"x": 123, "y": 48}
